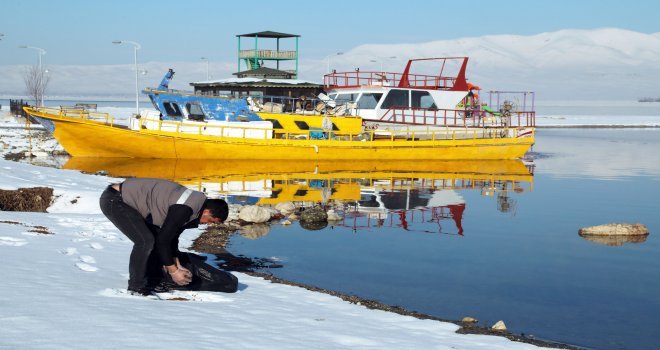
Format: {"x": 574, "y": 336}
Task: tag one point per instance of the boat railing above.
{"x": 150, "y": 91}
{"x": 359, "y": 78}
{"x": 468, "y": 117}
{"x": 77, "y": 113}
{"x": 520, "y": 103}
{"x": 275, "y": 54}
{"x": 407, "y": 133}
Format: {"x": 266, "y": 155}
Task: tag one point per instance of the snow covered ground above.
{"x": 66, "y": 290}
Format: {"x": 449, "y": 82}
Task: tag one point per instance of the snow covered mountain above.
{"x": 603, "y": 63}
{"x": 606, "y": 63}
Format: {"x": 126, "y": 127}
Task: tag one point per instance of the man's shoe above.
{"x": 140, "y": 292}
{"x": 163, "y": 287}
{"x": 167, "y": 286}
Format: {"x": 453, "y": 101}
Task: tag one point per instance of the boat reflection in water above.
{"x": 369, "y": 193}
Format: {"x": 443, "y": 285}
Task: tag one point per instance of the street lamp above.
{"x": 328, "y": 59}
{"x": 381, "y": 61}
{"x": 381, "y": 64}
{"x": 207, "y": 67}
{"x": 40, "y": 53}
{"x": 136, "y": 47}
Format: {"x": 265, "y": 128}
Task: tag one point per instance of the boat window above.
{"x": 276, "y": 123}
{"x": 195, "y": 111}
{"x": 369, "y": 100}
{"x": 368, "y": 201}
{"x": 422, "y": 99}
{"x": 333, "y": 96}
{"x": 172, "y": 109}
{"x": 301, "y": 125}
{"x": 345, "y": 98}
{"x": 396, "y": 99}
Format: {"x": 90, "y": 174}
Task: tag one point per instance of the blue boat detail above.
{"x": 182, "y": 105}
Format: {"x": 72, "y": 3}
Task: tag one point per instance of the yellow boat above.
{"x": 91, "y": 134}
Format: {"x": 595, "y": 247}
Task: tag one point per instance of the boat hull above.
{"x": 86, "y": 138}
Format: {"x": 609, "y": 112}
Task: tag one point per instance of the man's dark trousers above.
{"x": 144, "y": 266}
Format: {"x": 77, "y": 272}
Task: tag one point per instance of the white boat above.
{"x": 388, "y": 101}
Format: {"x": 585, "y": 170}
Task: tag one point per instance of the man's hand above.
{"x": 178, "y": 263}
{"x": 180, "y": 275}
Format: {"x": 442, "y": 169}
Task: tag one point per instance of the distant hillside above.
{"x": 605, "y": 63}
{"x": 649, "y": 99}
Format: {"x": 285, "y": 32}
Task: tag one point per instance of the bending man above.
{"x": 153, "y": 213}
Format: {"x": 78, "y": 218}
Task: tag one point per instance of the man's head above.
{"x": 215, "y": 210}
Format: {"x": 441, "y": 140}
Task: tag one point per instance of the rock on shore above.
{"x": 253, "y": 213}
{"x": 286, "y": 208}
{"x": 314, "y": 215}
{"x": 499, "y": 326}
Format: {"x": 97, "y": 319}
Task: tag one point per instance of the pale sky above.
{"x": 80, "y": 32}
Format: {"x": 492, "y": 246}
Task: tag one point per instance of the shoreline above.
{"x": 215, "y": 239}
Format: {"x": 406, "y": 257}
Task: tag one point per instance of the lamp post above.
{"x": 40, "y": 52}
{"x": 381, "y": 64}
{"x": 381, "y": 61}
{"x": 328, "y": 59}
{"x": 136, "y": 47}
{"x": 207, "y": 67}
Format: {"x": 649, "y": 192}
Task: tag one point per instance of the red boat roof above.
{"x": 442, "y": 81}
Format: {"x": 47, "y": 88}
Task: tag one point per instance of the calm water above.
{"x": 519, "y": 258}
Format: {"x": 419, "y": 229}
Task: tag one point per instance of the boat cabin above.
{"x": 376, "y": 95}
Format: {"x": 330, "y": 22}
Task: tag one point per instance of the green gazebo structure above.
{"x": 254, "y": 58}
{"x": 257, "y": 80}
